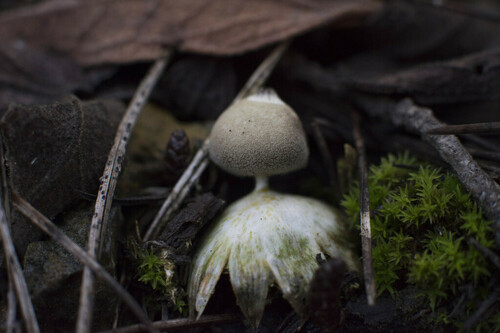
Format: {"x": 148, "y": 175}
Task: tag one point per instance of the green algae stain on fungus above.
{"x": 270, "y": 238}
{"x": 339, "y": 238}
{"x": 292, "y": 247}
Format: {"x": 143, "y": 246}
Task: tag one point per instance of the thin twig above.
{"x": 287, "y": 322}
{"x": 483, "y": 312}
{"x": 196, "y": 175}
{"x": 189, "y": 177}
{"x": 4, "y": 181}
{"x": 482, "y": 143}
{"x": 493, "y": 170}
{"x": 124, "y": 281}
{"x": 261, "y": 74}
{"x": 11, "y": 292}
{"x": 107, "y": 188}
{"x": 420, "y": 120}
{"x": 57, "y": 235}
{"x": 16, "y": 275}
{"x": 482, "y": 128}
{"x": 12, "y": 263}
{"x": 140, "y": 200}
{"x": 177, "y": 324}
{"x": 487, "y": 155}
{"x": 366, "y": 236}
{"x": 327, "y": 157}
{"x": 11, "y": 308}
{"x": 492, "y": 256}
{"x": 173, "y": 198}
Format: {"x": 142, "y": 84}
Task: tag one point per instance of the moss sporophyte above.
{"x": 266, "y": 237}
{"x": 422, "y": 219}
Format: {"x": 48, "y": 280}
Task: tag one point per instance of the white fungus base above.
{"x": 263, "y": 238}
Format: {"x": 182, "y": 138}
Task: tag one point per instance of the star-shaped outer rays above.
{"x": 263, "y": 238}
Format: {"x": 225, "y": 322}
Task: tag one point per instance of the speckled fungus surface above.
{"x": 259, "y": 136}
{"x": 266, "y": 237}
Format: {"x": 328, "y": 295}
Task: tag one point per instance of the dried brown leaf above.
{"x": 102, "y": 31}
{"x": 473, "y": 78}
{"x": 29, "y": 75}
{"x": 54, "y": 150}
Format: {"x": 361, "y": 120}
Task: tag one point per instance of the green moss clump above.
{"x": 156, "y": 269}
{"x": 420, "y": 225}
{"x": 151, "y": 271}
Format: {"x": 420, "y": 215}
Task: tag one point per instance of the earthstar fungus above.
{"x": 265, "y": 237}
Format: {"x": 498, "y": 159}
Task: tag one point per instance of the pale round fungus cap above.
{"x": 259, "y": 136}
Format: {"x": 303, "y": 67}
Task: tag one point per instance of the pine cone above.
{"x": 176, "y": 156}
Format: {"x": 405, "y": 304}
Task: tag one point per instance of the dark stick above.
{"x": 16, "y": 275}
{"x": 11, "y": 308}
{"x": 420, "y": 120}
{"x": 177, "y": 324}
{"x": 128, "y": 201}
{"x": 262, "y": 73}
{"x": 327, "y": 158}
{"x": 11, "y": 292}
{"x": 13, "y": 266}
{"x": 109, "y": 180}
{"x": 366, "y": 237}
{"x": 57, "y": 235}
{"x": 495, "y": 259}
{"x": 482, "y": 143}
{"x": 482, "y": 128}
{"x": 487, "y": 155}
{"x": 287, "y": 322}
{"x": 482, "y": 314}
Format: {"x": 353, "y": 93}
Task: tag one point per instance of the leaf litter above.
{"x": 441, "y": 59}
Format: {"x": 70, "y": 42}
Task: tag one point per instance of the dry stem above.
{"x": 16, "y": 276}
{"x": 420, "y": 120}
{"x": 491, "y": 127}
{"x": 14, "y": 269}
{"x": 174, "y": 198}
{"x": 261, "y": 74}
{"x": 483, "y": 312}
{"x": 327, "y": 157}
{"x": 11, "y": 308}
{"x": 176, "y": 324}
{"x": 366, "y": 234}
{"x": 57, "y": 235}
{"x": 492, "y": 256}
{"x": 107, "y": 189}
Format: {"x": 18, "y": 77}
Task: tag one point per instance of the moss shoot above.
{"x": 421, "y": 220}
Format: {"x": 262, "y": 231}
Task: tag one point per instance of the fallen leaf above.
{"x": 468, "y": 79}
{"x": 53, "y": 275}
{"x": 102, "y": 31}
{"x": 406, "y": 32}
{"x": 54, "y": 150}
{"x": 29, "y": 75}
